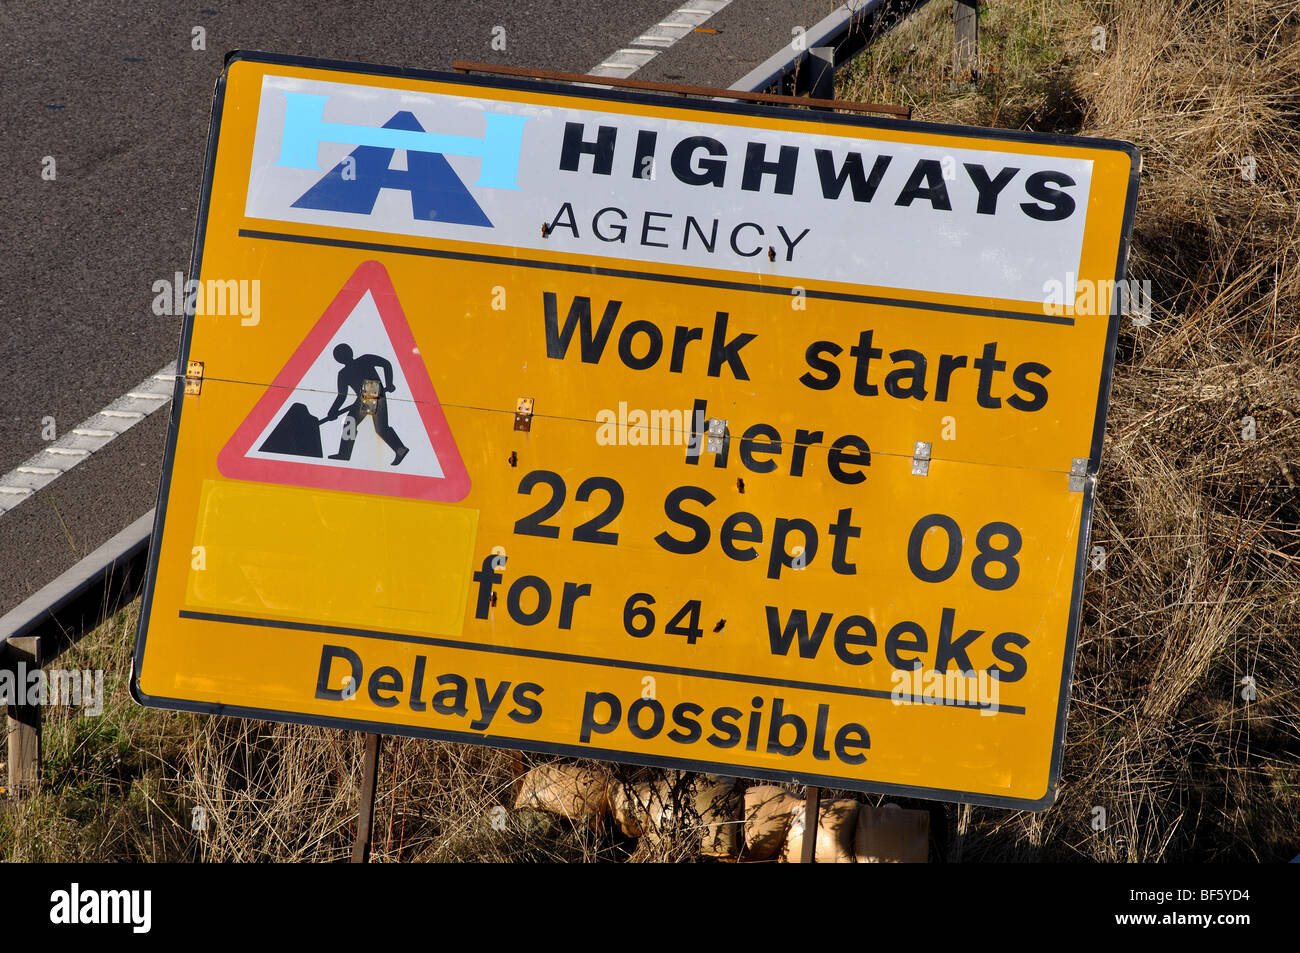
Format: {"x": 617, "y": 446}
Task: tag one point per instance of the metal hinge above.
{"x": 193, "y": 377}
{"x": 1078, "y": 474}
{"x": 716, "y": 437}
{"x": 524, "y": 414}
{"x": 921, "y": 459}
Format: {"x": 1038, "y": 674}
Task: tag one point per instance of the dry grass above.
{"x": 1201, "y": 528}
{"x": 126, "y": 786}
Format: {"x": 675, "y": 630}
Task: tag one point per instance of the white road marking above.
{"x": 624, "y": 62}
{"x": 91, "y": 435}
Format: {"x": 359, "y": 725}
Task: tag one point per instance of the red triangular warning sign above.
{"x": 353, "y": 409}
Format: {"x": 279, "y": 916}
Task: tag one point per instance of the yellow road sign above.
{"x": 671, "y": 432}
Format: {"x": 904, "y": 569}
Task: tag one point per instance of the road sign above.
{"x": 673, "y": 432}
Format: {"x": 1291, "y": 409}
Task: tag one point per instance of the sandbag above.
{"x": 836, "y": 825}
{"x": 638, "y": 807}
{"x": 717, "y": 808}
{"x": 768, "y": 813}
{"x": 890, "y": 834}
{"x": 578, "y": 793}
{"x": 708, "y": 806}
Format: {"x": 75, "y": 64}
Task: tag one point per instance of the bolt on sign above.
{"x": 674, "y": 432}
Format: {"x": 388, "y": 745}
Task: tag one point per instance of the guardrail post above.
{"x": 821, "y": 77}
{"x": 20, "y": 657}
{"x": 966, "y": 41}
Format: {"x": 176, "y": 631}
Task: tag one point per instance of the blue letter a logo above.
{"x": 437, "y": 194}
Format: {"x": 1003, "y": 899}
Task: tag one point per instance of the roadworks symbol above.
{"x": 353, "y": 408}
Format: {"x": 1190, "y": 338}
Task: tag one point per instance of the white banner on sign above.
{"x": 980, "y": 222}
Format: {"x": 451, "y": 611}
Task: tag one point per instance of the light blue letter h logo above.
{"x": 305, "y": 129}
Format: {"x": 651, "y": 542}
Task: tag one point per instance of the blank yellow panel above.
{"x": 343, "y": 558}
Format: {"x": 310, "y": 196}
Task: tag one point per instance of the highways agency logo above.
{"x": 354, "y": 183}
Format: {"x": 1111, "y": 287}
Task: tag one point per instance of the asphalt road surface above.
{"x": 118, "y": 96}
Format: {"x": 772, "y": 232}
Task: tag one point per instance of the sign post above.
{"x": 681, "y": 433}
{"x": 811, "y": 811}
{"x": 366, "y": 809}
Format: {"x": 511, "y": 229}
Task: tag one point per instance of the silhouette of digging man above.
{"x": 356, "y": 374}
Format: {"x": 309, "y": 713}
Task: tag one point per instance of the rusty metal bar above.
{"x": 366, "y": 810}
{"x": 461, "y": 66}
